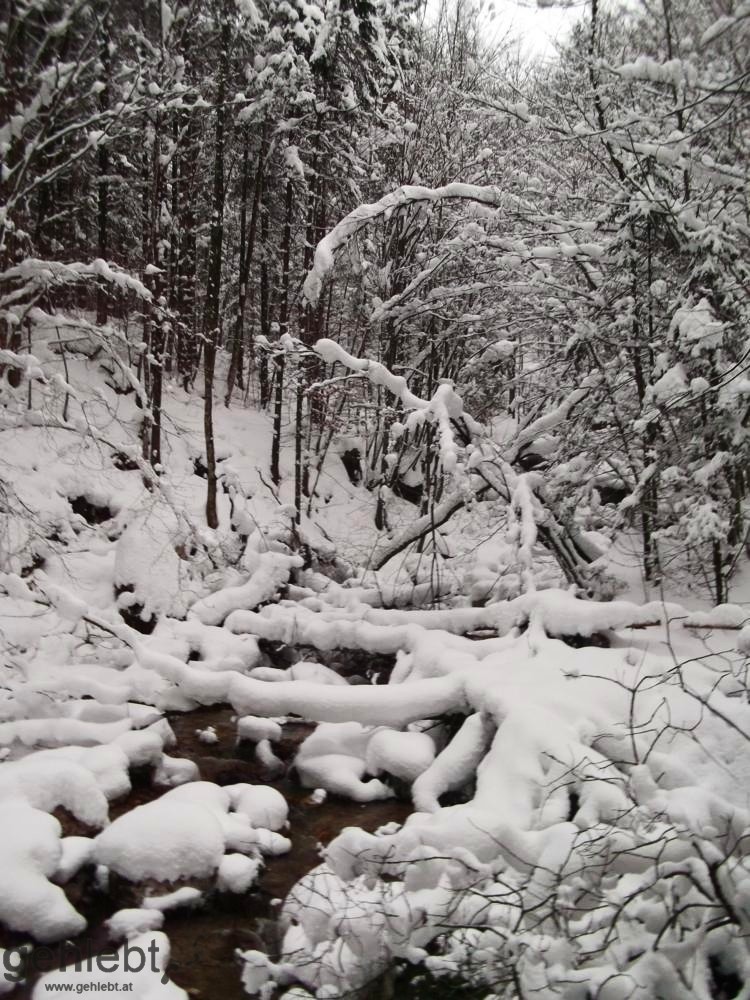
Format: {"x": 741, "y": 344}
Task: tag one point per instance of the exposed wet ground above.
{"x": 204, "y": 941}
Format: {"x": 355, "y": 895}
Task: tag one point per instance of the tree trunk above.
{"x": 278, "y": 403}
{"x": 286, "y": 257}
{"x": 247, "y": 247}
{"x": 187, "y": 341}
{"x": 265, "y": 318}
{"x": 102, "y": 163}
{"x": 236, "y": 360}
{"x": 284, "y": 328}
{"x": 213, "y": 284}
{"x": 298, "y": 471}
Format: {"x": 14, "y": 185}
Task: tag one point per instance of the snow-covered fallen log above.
{"x": 270, "y": 575}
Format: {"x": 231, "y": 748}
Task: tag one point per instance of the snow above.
{"x": 455, "y": 764}
{"x": 698, "y": 328}
{"x": 403, "y": 755}
{"x": 166, "y": 842}
{"x": 672, "y": 383}
{"x": 366, "y": 214}
{"x": 186, "y": 897}
{"x": 75, "y": 853}
{"x": 721, "y": 616}
{"x": 186, "y": 832}
{"x": 41, "y": 272}
{"x": 256, "y": 970}
{"x": 305, "y": 670}
{"x": 172, "y": 771}
{"x": 333, "y": 703}
{"x": 50, "y": 782}
{"x": 146, "y": 561}
{"x": 334, "y": 758}
{"x": 501, "y": 350}
{"x": 130, "y": 923}
{"x": 207, "y": 735}
{"x": 30, "y": 854}
{"x": 60, "y": 732}
{"x": 542, "y": 711}
{"x": 673, "y": 71}
{"x": 271, "y": 574}
{"x": 237, "y": 873}
{"x": 256, "y": 728}
{"x": 264, "y": 806}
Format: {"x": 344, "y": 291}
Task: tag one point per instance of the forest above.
{"x": 369, "y": 344}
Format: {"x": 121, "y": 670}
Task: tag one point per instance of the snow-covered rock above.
{"x": 264, "y": 806}
{"x": 404, "y": 755}
{"x": 237, "y": 873}
{"x": 130, "y": 923}
{"x": 30, "y": 855}
{"x": 165, "y": 840}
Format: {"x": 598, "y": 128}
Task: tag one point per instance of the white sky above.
{"x": 538, "y": 27}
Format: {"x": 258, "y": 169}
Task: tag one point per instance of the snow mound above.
{"x": 186, "y": 897}
{"x": 185, "y": 833}
{"x": 237, "y": 873}
{"x": 333, "y": 757}
{"x": 403, "y": 755}
{"x": 76, "y": 852}
{"x": 254, "y": 728}
{"x": 264, "y": 806}
{"x": 165, "y": 840}
{"x": 147, "y": 566}
{"x": 130, "y": 923}
{"x": 45, "y": 783}
{"x": 30, "y": 854}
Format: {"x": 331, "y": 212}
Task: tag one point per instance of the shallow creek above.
{"x": 203, "y": 941}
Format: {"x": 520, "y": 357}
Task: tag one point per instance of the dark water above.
{"x": 204, "y": 941}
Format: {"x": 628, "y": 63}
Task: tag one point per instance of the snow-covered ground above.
{"x": 578, "y": 770}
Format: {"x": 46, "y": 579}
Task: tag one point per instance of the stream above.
{"x": 204, "y": 940}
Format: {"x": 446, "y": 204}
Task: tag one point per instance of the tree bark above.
{"x": 247, "y": 248}
{"x": 213, "y": 285}
{"x": 284, "y": 328}
{"x": 102, "y": 161}
{"x": 265, "y": 318}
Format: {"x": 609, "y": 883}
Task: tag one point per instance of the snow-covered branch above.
{"x": 408, "y": 194}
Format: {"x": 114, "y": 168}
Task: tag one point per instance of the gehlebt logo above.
{"x": 130, "y": 960}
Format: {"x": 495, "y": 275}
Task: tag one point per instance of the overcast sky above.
{"x": 538, "y": 27}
